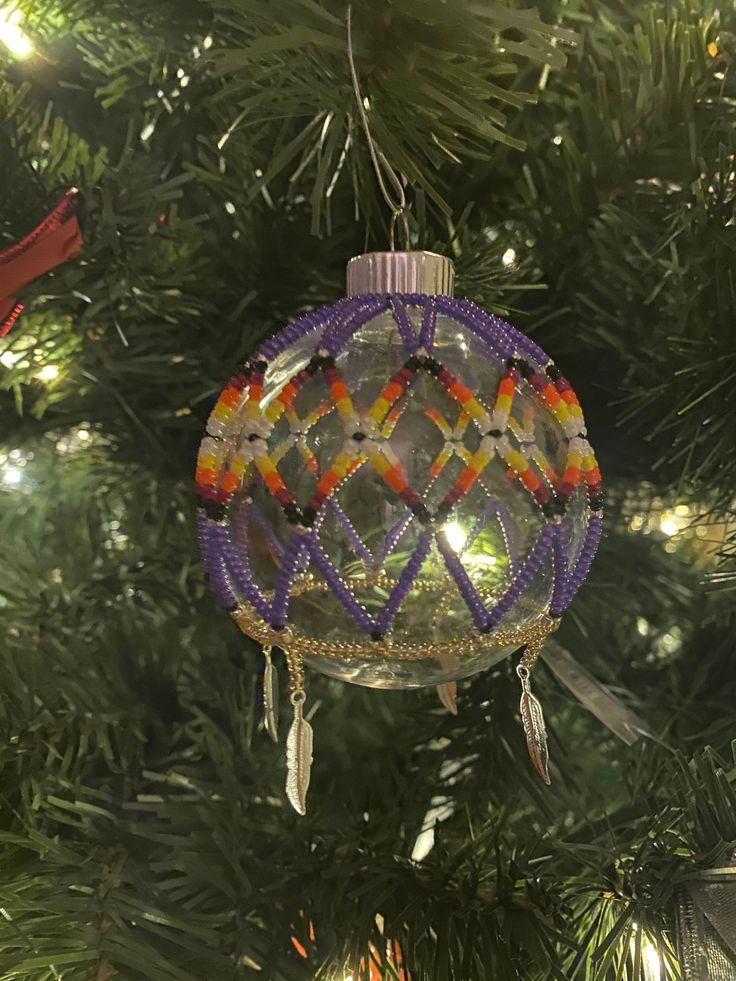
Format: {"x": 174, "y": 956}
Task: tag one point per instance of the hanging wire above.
{"x": 381, "y": 166}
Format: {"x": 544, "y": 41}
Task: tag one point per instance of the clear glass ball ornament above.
{"x": 364, "y": 538}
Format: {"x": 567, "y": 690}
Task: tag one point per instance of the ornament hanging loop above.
{"x": 383, "y": 169}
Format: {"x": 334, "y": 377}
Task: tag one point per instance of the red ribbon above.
{"x": 56, "y": 240}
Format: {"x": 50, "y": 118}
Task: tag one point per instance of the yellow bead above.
{"x": 474, "y": 409}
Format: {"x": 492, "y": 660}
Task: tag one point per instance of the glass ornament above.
{"x": 398, "y": 489}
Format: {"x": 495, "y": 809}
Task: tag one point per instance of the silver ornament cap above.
{"x": 401, "y": 272}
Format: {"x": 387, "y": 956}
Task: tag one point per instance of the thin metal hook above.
{"x": 380, "y": 163}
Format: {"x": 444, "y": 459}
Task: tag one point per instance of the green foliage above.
{"x": 144, "y": 832}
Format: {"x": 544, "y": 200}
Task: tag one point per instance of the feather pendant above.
{"x": 447, "y": 694}
{"x": 270, "y": 696}
{"x": 532, "y": 718}
{"x": 298, "y": 757}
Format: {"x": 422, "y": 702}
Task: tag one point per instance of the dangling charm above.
{"x": 532, "y": 716}
{"x": 270, "y": 696}
{"x": 299, "y": 741}
{"x": 447, "y": 695}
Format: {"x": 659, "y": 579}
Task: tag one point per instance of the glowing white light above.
{"x": 509, "y": 257}
{"x": 455, "y": 536}
{"x": 12, "y": 475}
{"x": 83, "y": 435}
{"x": 207, "y": 43}
{"x": 230, "y": 207}
{"x": 669, "y": 526}
{"x": 47, "y": 373}
{"x": 8, "y": 358}
{"x": 651, "y": 960}
{"x": 557, "y": 140}
{"x": 14, "y": 39}
{"x": 649, "y": 957}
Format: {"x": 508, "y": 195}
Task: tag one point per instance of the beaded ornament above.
{"x": 472, "y": 422}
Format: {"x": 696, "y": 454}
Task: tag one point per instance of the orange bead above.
{"x": 339, "y": 390}
{"x": 229, "y": 482}
{"x": 466, "y": 479}
{"x": 230, "y": 395}
{"x": 328, "y": 483}
{"x": 507, "y": 386}
{"x": 288, "y": 393}
{"x": 460, "y": 392}
{"x": 551, "y": 395}
{"x": 392, "y": 391}
{"x": 205, "y": 476}
{"x": 593, "y": 476}
{"x": 572, "y": 476}
{"x": 530, "y": 480}
{"x": 570, "y": 397}
{"x": 274, "y": 482}
{"x": 395, "y": 479}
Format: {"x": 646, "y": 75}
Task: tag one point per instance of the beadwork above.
{"x": 294, "y": 433}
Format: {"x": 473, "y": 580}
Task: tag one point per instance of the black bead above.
{"x": 292, "y": 514}
{"x": 496, "y": 433}
{"x": 278, "y": 626}
{"x": 560, "y": 505}
{"x": 525, "y": 369}
{"x": 548, "y": 509}
{"x": 214, "y": 510}
{"x": 413, "y": 364}
{"x": 359, "y": 437}
{"x": 258, "y": 366}
{"x": 328, "y": 361}
{"x": 313, "y": 364}
{"x": 487, "y": 629}
{"x": 376, "y": 635}
{"x": 308, "y": 516}
{"x": 231, "y": 607}
{"x": 512, "y": 363}
{"x": 597, "y": 504}
{"x": 553, "y": 372}
{"x": 432, "y": 366}
{"x": 442, "y": 511}
{"x": 253, "y": 437}
{"x": 422, "y": 514}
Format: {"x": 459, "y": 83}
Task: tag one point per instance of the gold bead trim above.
{"x": 297, "y": 645}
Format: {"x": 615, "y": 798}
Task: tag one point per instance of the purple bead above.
{"x": 338, "y": 587}
{"x": 403, "y": 587}
{"x": 403, "y": 322}
{"x": 429, "y": 320}
{"x": 462, "y": 580}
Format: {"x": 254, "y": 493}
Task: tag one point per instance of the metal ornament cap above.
{"x": 401, "y": 272}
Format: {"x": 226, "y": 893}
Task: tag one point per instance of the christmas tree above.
{"x": 577, "y": 163}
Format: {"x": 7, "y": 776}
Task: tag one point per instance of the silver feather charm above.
{"x": 270, "y": 696}
{"x": 298, "y": 756}
{"x": 532, "y": 718}
{"x": 447, "y": 694}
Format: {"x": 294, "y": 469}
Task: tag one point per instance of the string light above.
{"x": 48, "y": 373}
{"x": 8, "y": 358}
{"x": 508, "y": 258}
{"x": 15, "y": 40}
{"x": 12, "y": 475}
{"x": 455, "y": 535}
